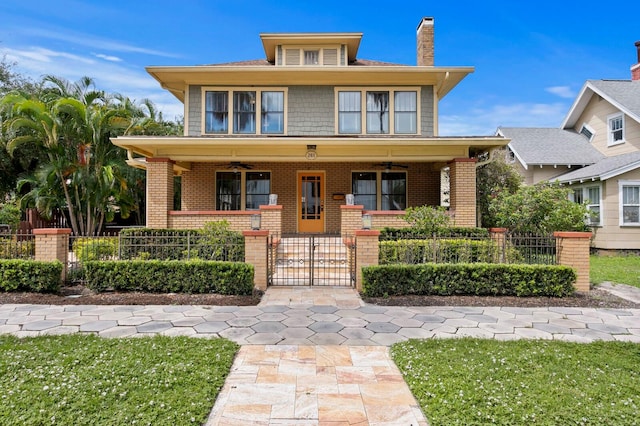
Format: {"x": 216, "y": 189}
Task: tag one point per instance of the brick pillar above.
{"x": 572, "y": 249}
{"x": 159, "y": 192}
{"x": 350, "y": 219}
{"x": 498, "y": 236}
{"x": 53, "y": 244}
{"x": 271, "y": 219}
{"x": 463, "y": 191}
{"x": 255, "y": 253}
{"x": 366, "y": 251}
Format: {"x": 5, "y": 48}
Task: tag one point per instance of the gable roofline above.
{"x": 583, "y": 98}
{"x": 607, "y": 168}
{"x": 515, "y": 153}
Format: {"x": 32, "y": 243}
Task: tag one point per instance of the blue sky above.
{"x": 530, "y": 58}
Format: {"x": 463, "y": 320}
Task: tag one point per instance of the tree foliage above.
{"x": 541, "y": 208}
{"x": 493, "y": 178}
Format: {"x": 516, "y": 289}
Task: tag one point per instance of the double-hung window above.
{"x": 380, "y": 190}
{"x": 616, "y": 129}
{"x": 591, "y": 196}
{"x": 629, "y": 202}
{"x": 249, "y": 111}
{"x": 242, "y": 190}
{"x": 385, "y": 111}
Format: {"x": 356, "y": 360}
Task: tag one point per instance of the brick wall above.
{"x": 255, "y": 249}
{"x": 463, "y": 191}
{"x": 159, "y": 191}
{"x": 238, "y": 221}
{"x": 53, "y": 244}
{"x": 366, "y": 252}
{"x": 572, "y": 249}
{"x": 199, "y": 187}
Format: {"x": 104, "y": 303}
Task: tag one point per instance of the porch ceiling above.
{"x": 184, "y": 150}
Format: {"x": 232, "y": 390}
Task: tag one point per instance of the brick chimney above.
{"x": 635, "y": 69}
{"x": 425, "y": 42}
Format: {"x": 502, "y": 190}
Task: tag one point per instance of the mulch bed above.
{"x": 79, "y": 295}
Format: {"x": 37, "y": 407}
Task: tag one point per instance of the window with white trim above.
{"x": 242, "y": 190}
{"x": 380, "y": 190}
{"x": 629, "y": 203}
{"x": 386, "y": 111}
{"x": 591, "y": 196}
{"x": 256, "y": 111}
{"x": 587, "y": 131}
{"x": 615, "y": 124}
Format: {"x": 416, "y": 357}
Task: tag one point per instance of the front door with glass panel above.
{"x": 311, "y": 202}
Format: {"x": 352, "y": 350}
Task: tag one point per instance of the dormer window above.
{"x": 311, "y": 57}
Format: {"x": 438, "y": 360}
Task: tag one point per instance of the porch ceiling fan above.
{"x": 388, "y": 165}
{"x": 235, "y": 166}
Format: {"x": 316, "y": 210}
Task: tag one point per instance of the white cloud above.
{"x": 107, "y": 57}
{"x": 485, "y": 121}
{"x": 562, "y": 91}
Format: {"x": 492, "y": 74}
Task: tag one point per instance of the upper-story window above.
{"x": 587, "y": 131}
{"x": 387, "y": 111}
{"x": 290, "y": 55}
{"x": 311, "y": 57}
{"x": 616, "y": 129}
{"x": 244, "y": 106}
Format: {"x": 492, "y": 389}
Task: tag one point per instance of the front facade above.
{"x": 306, "y": 136}
{"x": 596, "y": 152}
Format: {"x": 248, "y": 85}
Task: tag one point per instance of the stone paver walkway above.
{"x": 320, "y": 356}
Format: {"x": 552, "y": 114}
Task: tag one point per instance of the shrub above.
{"x": 30, "y": 275}
{"x": 427, "y": 219}
{"x": 480, "y": 279}
{"x": 14, "y": 249}
{"x": 95, "y": 248}
{"x": 391, "y": 234}
{"x": 194, "y": 276}
{"x": 10, "y": 214}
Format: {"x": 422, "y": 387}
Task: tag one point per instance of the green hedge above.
{"x": 438, "y": 251}
{"x": 170, "y": 276}
{"x": 392, "y": 234}
{"x": 95, "y": 248}
{"x": 30, "y": 275}
{"x": 481, "y": 279}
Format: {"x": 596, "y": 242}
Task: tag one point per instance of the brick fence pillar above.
{"x": 366, "y": 251}
{"x": 53, "y": 244}
{"x": 159, "y": 192}
{"x": 572, "y": 249}
{"x": 462, "y": 173}
{"x": 271, "y": 219}
{"x": 499, "y": 236}
{"x": 255, "y": 253}
{"x": 350, "y": 218}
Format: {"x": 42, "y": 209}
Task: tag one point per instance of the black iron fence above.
{"x": 17, "y": 246}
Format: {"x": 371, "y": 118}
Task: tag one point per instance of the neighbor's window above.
{"x": 378, "y": 112}
{"x": 365, "y": 188}
{"x": 228, "y": 194}
{"x": 406, "y": 112}
{"x": 587, "y": 131}
{"x": 630, "y": 206}
{"x": 244, "y": 112}
{"x": 272, "y": 112}
{"x": 258, "y": 187}
{"x": 216, "y": 112}
{"x": 616, "y": 129}
{"x": 349, "y": 112}
{"x": 590, "y": 195}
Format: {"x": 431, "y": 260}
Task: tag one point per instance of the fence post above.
{"x": 350, "y": 218}
{"x": 53, "y": 244}
{"x": 271, "y": 219}
{"x": 255, "y": 253}
{"x": 499, "y": 237}
{"x": 367, "y": 251}
{"x": 572, "y": 249}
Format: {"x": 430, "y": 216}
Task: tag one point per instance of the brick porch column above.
{"x": 463, "y": 191}
{"x": 350, "y": 219}
{"x": 572, "y": 249}
{"x": 366, "y": 251}
{"x": 53, "y": 244}
{"x": 159, "y": 192}
{"x": 271, "y": 219}
{"x": 255, "y": 253}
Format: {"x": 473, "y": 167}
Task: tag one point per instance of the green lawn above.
{"x": 617, "y": 269}
{"x": 86, "y": 380}
{"x": 477, "y": 382}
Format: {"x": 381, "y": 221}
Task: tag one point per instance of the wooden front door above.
{"x": 311, "y": 202}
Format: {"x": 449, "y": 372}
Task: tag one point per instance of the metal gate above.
{"x": 311, "y": 260}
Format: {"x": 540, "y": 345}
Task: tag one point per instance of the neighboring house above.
{"x": 596, "y": 151}
{"x": 309, "y": 123}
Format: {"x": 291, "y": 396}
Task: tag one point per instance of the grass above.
{"x": 87, "y": 380}
{"x": 477, "y": 382}
{"x": 617, "y": 269}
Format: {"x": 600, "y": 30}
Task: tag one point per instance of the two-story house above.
{"x": 311, "y": 124}
{"x": 596, "y": 151}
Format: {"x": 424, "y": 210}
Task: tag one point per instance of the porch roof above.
{"x": 186, "y": 150}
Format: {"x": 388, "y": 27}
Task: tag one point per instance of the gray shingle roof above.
{"x": 624, "y": 92}
{"x": 549, "y": 146}
{"x": 604, "y": 169}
